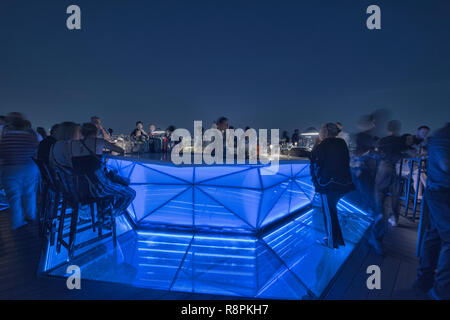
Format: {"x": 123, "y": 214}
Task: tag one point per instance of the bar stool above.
{"x": 50, "y": 198}
{"x": 74, "y": 191}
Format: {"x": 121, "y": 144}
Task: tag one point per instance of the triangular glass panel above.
{"x": 269, "y": 180}
{"x": 280, "y": 209}
{"x": 300, "y": 169}
{"x": 307, "y": 186}
{"x": 269, "y": 198}
{"x": 150, "y": 197}
{"x": 298, "y": 198}
{"x": 209, "y": 213}
{"x": 178, "y": 211}
{"x": 203, "y": 173}
{"x": 242, "y": 202}
{"x": 243, "y": 179}
{"x": 185, "y": 173}
{"x": 143, "y": 174}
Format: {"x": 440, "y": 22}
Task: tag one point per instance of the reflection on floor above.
{"x": 3, "y": 202}
{"x": 285, "y": 263}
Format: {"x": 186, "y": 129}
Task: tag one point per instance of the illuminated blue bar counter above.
{"x": 222, "y": 229}
{"x": 222, "y": 198}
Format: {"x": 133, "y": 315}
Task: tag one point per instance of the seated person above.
{"x": 83, "y": 156}
{"x": 138, "y": 133}
{"x": 86, "y": 157}
{"x": 45, "y": 145}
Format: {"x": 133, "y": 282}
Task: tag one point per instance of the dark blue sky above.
{"x": 271, "y": 64}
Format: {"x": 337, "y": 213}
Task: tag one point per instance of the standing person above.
{"x": 390, "y": 149}
{"x": 330, "y": 171}
{"x": 420, "y": 139}
{"x": 19, "y": 174}
{"x": 364, "y": 168}
{"x": 151, "y": 130}
{"x": 434, "y": 267}
{"x": 101, "y": 131}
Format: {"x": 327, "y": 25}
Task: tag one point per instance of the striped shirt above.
{"x": 17, "y": 147}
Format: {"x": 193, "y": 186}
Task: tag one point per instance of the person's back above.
{"x": 18, "y": 172}
{"x": 391, "y": 148}
{"x": 330, "y": 171}
{"x": 331, "y": 160}
{"x": 439, "y": 160}
{"x": 45, "y": 145}
{"x": 17, "y": 146}
{"x": 433, "y": 272}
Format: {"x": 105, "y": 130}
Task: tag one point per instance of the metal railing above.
{"x": 417, "y": 167}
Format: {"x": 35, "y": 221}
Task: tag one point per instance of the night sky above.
{"x": 265, "y": 64}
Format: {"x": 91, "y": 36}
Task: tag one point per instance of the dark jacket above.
{"x": 330, "y": 166}
{"x": 439, "y": 160}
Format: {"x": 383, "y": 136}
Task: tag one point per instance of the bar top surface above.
{"x": 165, "y": 159}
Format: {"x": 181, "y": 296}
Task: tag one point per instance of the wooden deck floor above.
{"x": 20, "y": 252}
{"x": 398, "y": 269}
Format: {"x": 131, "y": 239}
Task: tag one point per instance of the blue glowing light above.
{"x": 241, "y": 198}
{"x": 282, "y": 262}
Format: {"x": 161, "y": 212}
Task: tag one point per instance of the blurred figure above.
{"x": 342, "y": 134}
{"x": 2, "y": 124}
{"x": 101, "y": 131}
{"x": 60, "y": 152}
{"x": 19, "y": 174}
{"x": 379, "y": 119}
{"x": 364, "y": 167}
{"x": 167, "y": 139}
{"x": 408, "y": 142}
{"x": 330, "y": 171}
{"x": 284, "y": 137}
{"x": 420, "y": 139}
{"x": 138, "y": 132}
{"x": 45, "y": 145}
{"x": 420, "y": 146}
{"x": 365, "y": 139}
{"x": 434, "y": 267}
{"x": 296, "y": 137}
{"x": 386, "y": 181}
{"x": 222, "y": 124}
{"x": 42, "y": 133}
{"x": 151, "y": 130}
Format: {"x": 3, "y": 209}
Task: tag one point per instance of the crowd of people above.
{"x": 71, "y": 148}
{"x": 373, "y": 169}
{"x": 368, "y": 162}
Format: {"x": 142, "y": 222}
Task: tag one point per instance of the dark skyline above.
{"x": 265, "y": 64}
